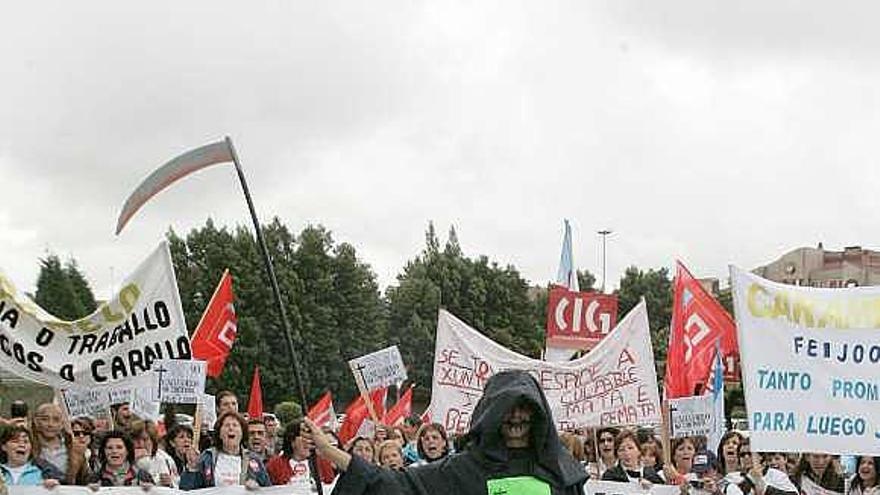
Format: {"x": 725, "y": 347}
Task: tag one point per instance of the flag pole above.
{"x": 313, "y": 465}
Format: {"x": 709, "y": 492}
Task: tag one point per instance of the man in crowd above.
{"x": 257, "y": 438}
{"x": 123, "y": 416}
{"x": 512, "y": 447}
{"x": 226, "y": 401}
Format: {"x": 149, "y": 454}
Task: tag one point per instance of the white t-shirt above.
{"x": 300, "y": 480}
{"x": 227, "y": 470}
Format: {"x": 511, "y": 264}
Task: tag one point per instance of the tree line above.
{"x": 337, "y": 311}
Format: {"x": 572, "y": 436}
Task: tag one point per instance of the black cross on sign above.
{"x": 360, "y": 369}
{"x": 161, "y": 370}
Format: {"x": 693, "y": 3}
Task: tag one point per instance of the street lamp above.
{"x": 604, "y": 233}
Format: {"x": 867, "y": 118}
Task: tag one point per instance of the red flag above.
{"x": 255, "y": 401}
{"x": 426, "y": 416}
{"x": 215, "y": 334}
{"x": 357, "y": 412}
{"x": 697, "y": 322}
{"x": 322, "y": 412}
{"x": 399, "y": 411}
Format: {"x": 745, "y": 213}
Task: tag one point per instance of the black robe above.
{"x": 485, "y": 461}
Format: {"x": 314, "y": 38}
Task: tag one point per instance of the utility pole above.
{"x": 604, "y": 233}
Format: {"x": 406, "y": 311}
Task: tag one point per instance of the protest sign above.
{"x": 178, "y": 381}
{"x": 595, "y": 487}
{"x": 579, "y": 320}
{"x": 121, "y": 394}
{"x": 141, "y": 323}
{"x": 85, "y": 402}
{"x": 209, "y": 410}
{"x": 691, "y": 416}
{"x": 809, "y": 362}
{"x": 379, "y": 369}
{"x": 143, "y": 405}
{"x": 615, "y": 384}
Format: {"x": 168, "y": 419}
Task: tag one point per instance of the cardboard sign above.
{"x": 579, "y": 320}
{"x": 177, "y": 381}
{"x": 85, "y": 402}
{"x": 615, "y": 384}
{"x": 691, "y": 416}
{"x": 379, "y": 369}
{"x": 809, "y": 361}
{"x": 141, "y": 323}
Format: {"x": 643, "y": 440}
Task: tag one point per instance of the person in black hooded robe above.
{"x": 511, "y": 448}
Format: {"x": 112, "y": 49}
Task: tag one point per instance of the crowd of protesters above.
{"x": 44, "y": 448}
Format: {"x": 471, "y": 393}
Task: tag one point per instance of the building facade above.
{"x": 816, "y": 267}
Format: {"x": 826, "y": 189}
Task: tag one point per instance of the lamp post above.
{"x": 604, "y": 233}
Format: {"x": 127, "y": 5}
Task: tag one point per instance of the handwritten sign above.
{"x": 143, "y": 405}
{"x": 85, "y": 402}
{"x": 178, "y": 381}
{"x": 691, "y": 416}
{"x": 809, "y": 360}
{"x": 379, "y": 369}
{"x": 121, "y": 394}
{"x": 615, "y": 384}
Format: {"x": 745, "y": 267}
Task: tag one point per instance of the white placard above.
{"x": 178, "y": 381}
{"x": 810, "y": 365}
{"x": 209, "y": 410}
{"x": 121, "y": 394}
{"x": 691, "y": 416}
{"x": 379, "y": 369}
{"x": 85, "y": 402}
{"x": 615, "y": 384}
{"x": 143, "y": 405}
{"x": 141, "y": 323}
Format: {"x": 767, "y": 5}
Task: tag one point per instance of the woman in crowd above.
{"x": 81, "y": 431}
{"x": 754, "y": 478}
{"x": 380, "y": 434}
{"x": 432, "y": 442}
{"x": 178, "y": 441}
{"x": 291, "y": 465}
{"x": 390, "y": 454}
{"x": 652, "y": 454}
{"x": 681, "y": 470}
{"x": 605, "y": 447}
{"x": 56, "y": 447}
{"x": 227, "y": 462}
{"x": 629, "y": 467}
{"x": 728, "y": 449}
{"x": 116, "y": 466}
{"x": 148, "y": 455}
{"x": 865, "y": 480}
{"x": 397, "y": 434}
{"x": 17, "y": 464}
{"x": 817, "y": 468}
{"x": 363, "y": 448}
{"x": 573, "y": 445}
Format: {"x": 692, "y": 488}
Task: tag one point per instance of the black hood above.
{"x": 503, "y": 391}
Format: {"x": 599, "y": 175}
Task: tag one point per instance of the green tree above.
{"x": 63, "y": 290}
{"x": 493, "y": 299}
{"x": 330, "y": 296}
{"x": 586, "y": 280}
{"x": 656, "y": 287}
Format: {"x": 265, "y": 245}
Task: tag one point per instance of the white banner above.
{"x": 615, "y": 384}
{"x": 379, "y": 369}
{"x": 155, "y": 490}
{"x": 691, "y": 416}
{"x": 140, "y": 324}
{"x": 176, "y": 381}
{"x": 593, "y": 487}
{"x": 810, "y": 365}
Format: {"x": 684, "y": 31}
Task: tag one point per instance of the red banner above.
{"x": 698, "y": 321}
{"x": 579, "y": 320}
{"x": 215, "y": 334}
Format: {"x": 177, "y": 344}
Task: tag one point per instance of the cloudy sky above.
{"x": 711, "y": 131}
